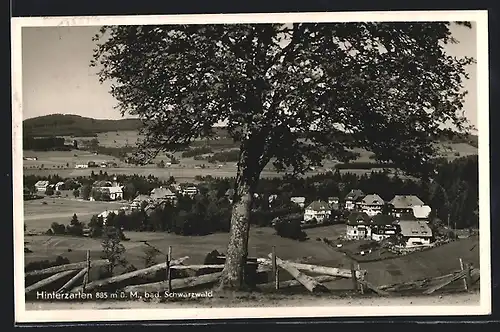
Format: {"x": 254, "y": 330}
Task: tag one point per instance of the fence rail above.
{"x": 311, "y": 277}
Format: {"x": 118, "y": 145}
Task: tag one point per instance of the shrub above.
{"x": 57, "y": 228}
{"x": 291, "y": 229}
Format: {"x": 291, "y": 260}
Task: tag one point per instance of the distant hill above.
{"x": 74, "y": 125}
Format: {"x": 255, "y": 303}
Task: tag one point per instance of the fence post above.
{"x": 361, "y": 279}
{"x": 169, "y": 270}
{"x": 86, "y": 276}
{"x": 353, "y": 275}
{"x": 275, "y": 270}
{"x": 468, "y": 275}
{"x": 466, "y": 287}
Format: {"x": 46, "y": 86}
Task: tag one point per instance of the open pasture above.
{"x": 62, "y": 159}
{"x": 39, "y": 214}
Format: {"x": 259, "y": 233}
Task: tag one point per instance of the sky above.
{"x": 57, "y": 77}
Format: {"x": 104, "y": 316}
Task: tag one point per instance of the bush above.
{"x": 40, "y": 265}
{"x": 57, "y": 228}
{"x": 291, "y": 230}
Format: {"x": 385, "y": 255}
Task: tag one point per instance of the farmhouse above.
{"x": 59, "y": 186}
{"x": 317, "y": 210}
{"x": 404, "y": 204}
{"x": 358, "y": 226}
{"x": 115, "y": 193}
{"x": 352, "y": 197}
{"x": 162, "y": 194}
{"x": 299, "y": 200}
{"x": 81, "y": 166}
{"x": 139, "y": 200}
{"x": 190, "y": 191}
{"x": 41, "y": 185}
{"x": 371, "y": 204}
{"x": 383, "y": 226}
{"x": 415, "y": 232}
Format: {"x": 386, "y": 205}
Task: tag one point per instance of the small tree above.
{"x": 76, "y": 193}
{"x": 86, "y": 191}
{"x": 150, "y": 255}
{"x": 112, "y": 249}
{"x": 75, "y": 227}
{"x": 49, "y": 191}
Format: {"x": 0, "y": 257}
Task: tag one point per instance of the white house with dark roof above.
{"x": 415, "y": 232}
{"x": 319, "y": 210}
{"x": 402, "y": 204}
{"x": 352, "y": 197}
{"x": 371, "y": 204}
{"x": 299, "y": 200}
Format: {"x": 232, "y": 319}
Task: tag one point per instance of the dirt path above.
{"x": 268, "y": 301}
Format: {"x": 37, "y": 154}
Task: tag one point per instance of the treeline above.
{"x": 50, "y": 143}
{"x": 75, "y": 125}
{"x": 196, "y": 151}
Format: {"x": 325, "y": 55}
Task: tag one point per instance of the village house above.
{"x": 334, "y": 203}
{"x": 299, "y": 200}
{"x": 190, "y": 191}
{"x": 317, "y": 210}
{"x": 81, "y": 166}
{"x": 59, "y": 186}
{"x": 371, "y": 204}
{"x": 402, "y": 204}
{"x": 358, "y": 226}
{"x": 383, "y": 226}
{"x": 139, "y": 200}
{"x": 162, "y": 194}
{"x": 352, "y": 197}
{"x": 114, "y": 193}
{"x": 104, "y": 215}
{"x": 415, "y": 232}
{"x": 41, "y": 186}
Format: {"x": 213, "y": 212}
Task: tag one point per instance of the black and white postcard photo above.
{"x": 300, "y": 165}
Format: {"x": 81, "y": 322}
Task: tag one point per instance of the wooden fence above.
{"x": 311, "y": 277}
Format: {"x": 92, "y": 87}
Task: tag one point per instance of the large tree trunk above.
{"x": 237, "y": 251}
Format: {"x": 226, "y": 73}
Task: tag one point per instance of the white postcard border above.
{"x": 24, "y": 316}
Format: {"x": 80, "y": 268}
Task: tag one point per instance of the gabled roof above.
{"x": 354, "y": 195}
{"x": 159, "y": 193}
{"x": 358, "y": 218}
{"x": 415, "y": 229}
{"x": 422, "y": 212}
{"x": 318, "y": 206}
{"x": 103, "y": 184}
{"x": 383, "y": 219}
{"x": 372, "y": 199}
{"x": 298, "y": 199}
{"x": 42, "y": 184}
{"x": 142, "y": 198}
{"x": 405, "y": 201}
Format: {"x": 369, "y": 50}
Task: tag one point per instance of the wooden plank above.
{"x": 294, "y": 283}
{"x": 353, "y": 277}
{"x": 275, "y": 270}
{"x": 72, "y": 281}
{"x": 177, "y": 284}
{"x": 197, "y": 267}
{"x": 373, "y": 288}
{"x": 445, "y": 283}
{"x": 48, "y": 281}
{"x": 361, "y": 279}
{"x": 462, "y": 268}
{"x": 331, "y": 271}
{"x": 308, "y": 282}
{"x": 67, "y": 267}
{"x": 169, "y": 271}
{"x": 126, "y": 276}
{"x": 86, "y": 277}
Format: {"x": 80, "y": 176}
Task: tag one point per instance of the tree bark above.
{"x": 247, "y": 177}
